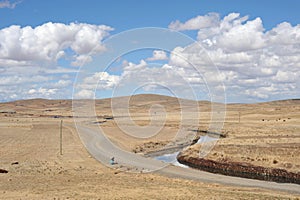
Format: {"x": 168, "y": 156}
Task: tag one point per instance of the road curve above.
{"x": 102, "y": 150}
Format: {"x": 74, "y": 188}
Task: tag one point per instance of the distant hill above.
{"x": 46, "y": 106}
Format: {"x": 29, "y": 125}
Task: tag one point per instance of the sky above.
{"x": 238, "y": 51}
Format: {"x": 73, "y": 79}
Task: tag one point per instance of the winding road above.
{"x": 102, "y": 149}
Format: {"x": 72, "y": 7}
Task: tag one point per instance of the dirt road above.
{"x": 102, "y": 149}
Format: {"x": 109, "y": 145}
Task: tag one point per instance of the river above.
{"x": 171, "y": 157}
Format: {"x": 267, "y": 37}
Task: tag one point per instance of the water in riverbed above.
{"x": 206, "y": 138}
{"x": 171, "y": 158}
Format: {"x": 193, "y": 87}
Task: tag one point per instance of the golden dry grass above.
{"x": 31, "y": 137}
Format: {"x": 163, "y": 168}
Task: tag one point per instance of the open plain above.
{"x": 264, "y": 134}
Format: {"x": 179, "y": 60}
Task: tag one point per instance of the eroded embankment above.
{"x": 244, "y": 170}
{"x": 3, "y": 171}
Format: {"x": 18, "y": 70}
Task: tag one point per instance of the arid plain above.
{"x": 264, "y": 134}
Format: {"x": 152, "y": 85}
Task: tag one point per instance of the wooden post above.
{"x": 60, "y": 146}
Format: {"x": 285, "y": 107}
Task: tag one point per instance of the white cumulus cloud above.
{"x": 158, "y": 55}
{"x": 49, "y": 42}
{"x": 254, "y": 63}
{"x": 97, "y": 81}
{"x": 30, "y": 57}
{"x": 209, "y": 20}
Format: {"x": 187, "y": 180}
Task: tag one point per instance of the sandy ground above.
{"x": 30, "y": 137}
{"x": 266, "y": 135}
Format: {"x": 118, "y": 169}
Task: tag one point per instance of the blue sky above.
{"x": 124, "y": 15}
{"x": 259, "y": 65}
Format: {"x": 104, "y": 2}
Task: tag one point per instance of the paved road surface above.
{"x": 102, "y": 149}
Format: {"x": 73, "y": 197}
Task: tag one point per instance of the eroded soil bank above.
{"x": 244, "y": 170}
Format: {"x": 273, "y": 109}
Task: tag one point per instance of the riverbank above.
{"x": 154, "y": 149}
{"x": 180, "y": 154}
{"x": 41, "y": 172}
{"x": 238, "y": 169}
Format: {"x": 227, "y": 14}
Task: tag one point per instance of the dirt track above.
{"x": 91, "y": 139}
{"x": 42, "y": 173}
{"x": 33, "y": 142}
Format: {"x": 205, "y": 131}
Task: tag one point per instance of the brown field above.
{"x": 267, "y": 134}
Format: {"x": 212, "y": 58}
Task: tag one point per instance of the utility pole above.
{"x": 60, "y": 146}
